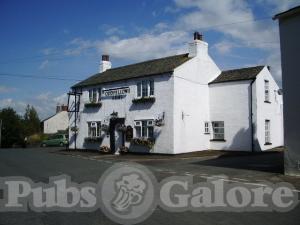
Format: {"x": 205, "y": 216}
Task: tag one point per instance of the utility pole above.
{"x": 0, "y": 132}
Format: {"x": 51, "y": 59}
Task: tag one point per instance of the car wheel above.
{"x": 61, "y": 144}
{"x": 44, "y": 145}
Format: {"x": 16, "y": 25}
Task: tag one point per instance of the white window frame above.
{"x": 142, "y": 128}
{"x": 149, "y": 88}
{"x": 216, "y": 135}
{"x": 94, "y": 129}
{"x": 206, "y": 127}
{"x": 267, "y": 131}
{"x": 95, "y": 95}
{"x": 267, "y": 91}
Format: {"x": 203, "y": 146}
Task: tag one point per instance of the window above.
{"x": 145, "y": 88}
{"x": 218, "y": 130}
{"x": 267, "y": 132}
{"x": 94, "y": 129}
{"x": 267, "y": 91}
{"x": 206, "y": 127}
{"x": 95, "y": 95}
{"x": 144, "y": 128}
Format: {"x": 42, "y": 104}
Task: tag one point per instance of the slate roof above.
{"x": 290, "y": 12}
{"x": 248, "y": 73}
{"x": 147, "y": 68}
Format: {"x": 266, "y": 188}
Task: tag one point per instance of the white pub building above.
{"x": 177, "y": 104}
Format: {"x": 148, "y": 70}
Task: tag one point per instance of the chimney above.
{"x": 105, "y": 64}
{"x": 198, "y": 47}
{"x": 58, "y": 108}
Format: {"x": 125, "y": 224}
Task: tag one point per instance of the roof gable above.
{"x": 248, "y": 73}
{"x": 147, "y": 68}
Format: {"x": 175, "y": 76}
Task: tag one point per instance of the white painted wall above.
{"x": 229, "y": 102}
{"x": 163, "y": 91}
{"x": 191, "y": 102}
{"x": 268, "y": 111}
{"x": 59, "y": 121}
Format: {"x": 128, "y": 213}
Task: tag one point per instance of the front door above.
{"x": 116, "y": 137}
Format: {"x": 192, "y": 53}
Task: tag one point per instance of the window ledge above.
{"x": 144, "y": 100}
{"x": 218, "y": 140}
{"x": 206, "y": 133}
{"x": 268, "y": 102}
{"x": 268, "y": 143}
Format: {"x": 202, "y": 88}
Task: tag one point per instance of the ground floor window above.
{"x": 218, "y": 130}
{"x": 267, "y": 132}
{"x": 94, "y": 129}
{"x": 144, "y": 128}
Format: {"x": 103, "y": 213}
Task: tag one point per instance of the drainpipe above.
{"x": 251, "y": 116}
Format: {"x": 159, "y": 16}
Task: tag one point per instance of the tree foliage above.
{"x": 15, "y": 128}
{"x": 31, "y": 121}
{"x": 12, "y": 132}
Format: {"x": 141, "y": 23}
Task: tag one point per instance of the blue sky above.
{"x": 65, "y": 39}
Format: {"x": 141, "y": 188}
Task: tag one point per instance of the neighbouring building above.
{"x": 58, "y": 122}
{"x": 289, "y": 28}
{"x": 177, "y": 104}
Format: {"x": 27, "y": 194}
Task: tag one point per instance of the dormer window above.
{"x": 145, "y": 88}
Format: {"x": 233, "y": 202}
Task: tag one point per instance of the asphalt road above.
{"x": 40, "y": 164}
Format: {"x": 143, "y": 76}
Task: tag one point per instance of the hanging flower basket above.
{"x": 159, "y": 122}
{"x": 122, "y": 128}
{"x": 93, "y": 139}
{"x": 124, "y": 149}
{"x": 144, "y": 100}
{"x": 74, "y": 129}
{"x": 147, "y": 142}
{"x": 92, "y": 104}
{"x": 104, "y": 128}
{"x": 105, "y": 149}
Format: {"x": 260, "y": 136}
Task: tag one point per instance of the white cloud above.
{"x": 146, "y": 46}
{"x": 224, "y": 47}
{"x": 18, "y": 106}
{"x": 44, "y": 64}
{"x": 5, "y": 89}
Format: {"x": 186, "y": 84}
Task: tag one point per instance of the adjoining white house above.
{"x": 57, "y": 122}
{"x": 176, "y": 104}
{"x": 289, "y": 24}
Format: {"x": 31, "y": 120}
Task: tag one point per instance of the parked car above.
{"x": 56, "y": 140}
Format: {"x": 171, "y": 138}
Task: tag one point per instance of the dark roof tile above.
{"x": 147, "y": 68}
{"x": 249, "y": 73}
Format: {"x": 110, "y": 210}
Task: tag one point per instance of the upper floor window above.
{"x": 94, "y": 129}
{"x": 95, "y": 95}
{"x": 218, "y": 130}
{"x": 145, "y": 88}
{"x": 267, "y": 91}
{"x": 144, "y": 128}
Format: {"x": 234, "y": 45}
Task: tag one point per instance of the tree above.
{"x": 12, "y": 132}
{"x": 31, "y": 121}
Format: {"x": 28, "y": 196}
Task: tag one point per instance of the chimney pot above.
{"x": 105, "y": 57}
{"x": 198, "y": 36}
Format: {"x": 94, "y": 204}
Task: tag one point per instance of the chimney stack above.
{"x": 198, "y": 47}
{"x": 105, "y": 64}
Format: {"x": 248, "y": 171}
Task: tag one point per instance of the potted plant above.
{"x": 144, "y": 99}
{"x": 124, "y": 150}
{"x": 105, "y": 149}
{"x": 147, "y": 142}
{"x": 92, "y": 104}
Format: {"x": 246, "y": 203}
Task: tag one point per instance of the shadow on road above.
{"x": 266, "y": 162}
